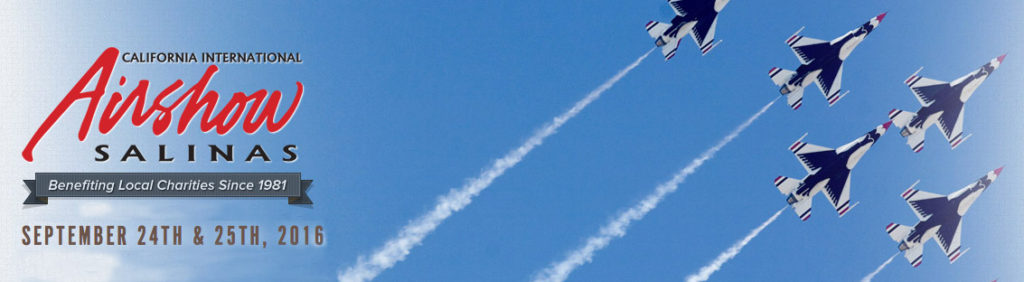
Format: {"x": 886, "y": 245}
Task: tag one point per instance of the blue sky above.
{"x": 404, "y": 101}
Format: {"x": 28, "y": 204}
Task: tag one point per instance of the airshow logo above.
{"x": 252, "y": 111}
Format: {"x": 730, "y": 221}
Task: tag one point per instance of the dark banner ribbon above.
{"x": 48, "y": 185}
{"x": 303, "y": 198}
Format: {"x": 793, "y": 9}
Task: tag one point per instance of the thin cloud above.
{"x": 412, "y": 234}
{"x": 559, "y": 271}
{"x": 879, "y": 269}
{"x": 705, "y": 272}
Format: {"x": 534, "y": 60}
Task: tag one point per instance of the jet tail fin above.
{"x": 802, "y": 208}
{"x": 668, "y": 44}
{"x": 795, "y": 99}
{"x": 915, "y": 137}
{"x": 914, "y": 255}
{"x": 901, "y": 118}
{"x": 786, "y": 185}
{"x": 898, "y": 232}
{"x": 780, "y": 76}
{"x": 670, "y": 47}
{"x": 656, "y": 29}
{"x": 913, "y": 252}
{"x": 916, "y": 141}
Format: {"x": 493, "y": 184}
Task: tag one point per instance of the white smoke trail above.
{"x": 616, "y": 227}
{"x": 412, "y": 234}
{"x": 706, "y": 271}
{"x": 879, "y": 269}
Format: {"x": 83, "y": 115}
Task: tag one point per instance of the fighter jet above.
{"x": 696, "y": 17}
{"x": 940, "y": 217}
{"x": 942, "y": 104}
{"x": 827, "y": 170}
{"x": 821, "y": 62}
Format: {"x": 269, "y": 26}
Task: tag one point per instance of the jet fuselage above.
{"x": 952, "y": 99}
{"x": 838, "y": 50}
{"x": 945, "y": 211}
{"x": 835, "y": 53}
{"x": 847, "y": 157}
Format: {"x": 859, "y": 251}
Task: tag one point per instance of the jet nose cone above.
{"x": 998, "y": 170}
{"x": 886, "y": 125}
{"x": 880, "y": 17}
{"x": 1001, "y": 58}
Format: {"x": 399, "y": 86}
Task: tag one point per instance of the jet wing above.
{"x": 703, "y": 33}
{"x": 813, "y": 157}
{"x": 838, "y": 192}
{"x": 830, "y": 80}
{"x": 806, "y": 48}
{"x": 952, "y": 125}
{"x": 948, "y": 238}
{"x": 923, "y": 203}
{"x": 927, "y": 90}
